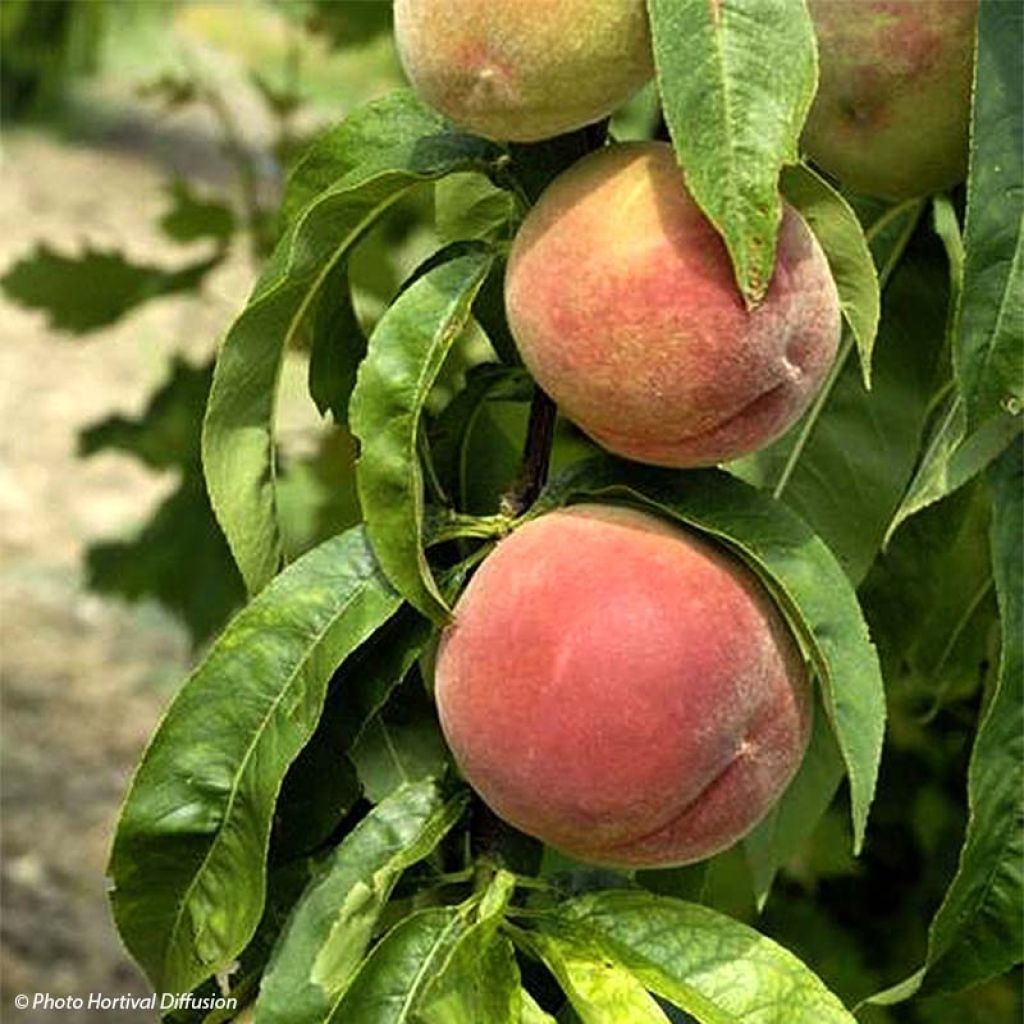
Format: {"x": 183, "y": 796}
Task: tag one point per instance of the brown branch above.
{"x": 540, "y": 435}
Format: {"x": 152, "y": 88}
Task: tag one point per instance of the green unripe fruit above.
{"x": 523, "y": 70}
{"x": 894, "y": 100}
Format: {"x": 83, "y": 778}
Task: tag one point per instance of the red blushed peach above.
{"x": 622, "y": 690}
{"x": 894, "y": 98}
{"x": 524, "y": 70}
{"x": 623, "y": 303}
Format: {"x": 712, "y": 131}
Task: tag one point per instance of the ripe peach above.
{"x": 622, "y": 300}
{"x": 894, "y": 99}
{"x": 526, "y": 70}
{"x": 622, "y": 690}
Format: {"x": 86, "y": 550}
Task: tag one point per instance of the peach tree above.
{"x": 690, "y": 476}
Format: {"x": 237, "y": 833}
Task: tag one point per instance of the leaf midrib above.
{"x": 243, "y": 764}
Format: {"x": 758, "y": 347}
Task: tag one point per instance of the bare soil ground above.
{"x": 83, "y": 679}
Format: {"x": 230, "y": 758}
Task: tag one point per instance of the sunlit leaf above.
{"x": 842, "y": 238}
{"x": 332, "y": 924}
{"x": 736, "y": 81}
{"x": 188, "y": 862}
{"x": 405, "y": 355}
{"x": 715, "y": 968}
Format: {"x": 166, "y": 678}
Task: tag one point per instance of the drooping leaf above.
{"x": 399, "y": 744}
{"x": 238, "y": 448}
{"x": 600, "y": 990}
{"x": 800, "y": 572}
{"x": 191, "y": 219}
{"x": 329, "y": 930}
{"x": 842, "y": 238}
{"x": 988, "y": 354}
{"x": 405, "y": 355}
{"x": 183, "y": 528}
{"x": 715, "y": 968}
{"x": 188, "y": 862}
{"x": 951, "y": 457}
{"x": 736, "y": 79}
{"x": 932, "y": 634}
{"x": 845, "y": 464}
{"x": 83, "y": 293}
{"x": 480, "y": 980}
{"x": 779, "y": 836}
{"x": 393, "y": 980}
{"x": 978, "y": 932}
{"x": 337, "y": 347}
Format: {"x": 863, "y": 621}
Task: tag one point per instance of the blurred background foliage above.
{"x": 266, "y": 77}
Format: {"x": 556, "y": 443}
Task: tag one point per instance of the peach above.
{"x": 623, "y": 303}
{"x": 622, "y": 690}
{"x": 894, "y": 99}
{"x": 526, "y": 69}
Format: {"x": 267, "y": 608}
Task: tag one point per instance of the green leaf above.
{"x": 405, "y": 355}
{"x": 988, "y": 355}
{"x": 531, "y": 1012}
{"x": 933, "y": 638}
{"x": 715, "y": 968}
{"x": 951, "y": 457}
{"x": 191, "y": 219}
{"x": 845, "y": 464}
{"x": 83, "y": 293}
{"x": 736, "y": 82}
{"x": 382, "y": 133}
{"x": 401, "y": 743}
{"x": 468, "y": 206}
{"x": 978, "y": 932}
{"x": 337, "y": 348}
{"x": 393, "y": 980}
{"x": 188, "y": 857}
{"x": 480, "y": 981}
{"x": 382, "y": 165}
{"x": 601, "y": 991}
{"x": 347, "y": 25}
{"x": 836, "y": 227}
{"x": 780, "y": 835}
{"x": 450, "y": 434}
{"x": 800, "y": 572}
{"x": 331, "y": 926}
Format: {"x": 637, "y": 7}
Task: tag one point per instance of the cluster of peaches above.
{"x": 612, "y": 684}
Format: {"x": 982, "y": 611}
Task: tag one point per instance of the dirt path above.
{"x": 83, "y": 679}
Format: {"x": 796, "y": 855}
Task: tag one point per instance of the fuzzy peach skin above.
{"x": 622, "y": 690}
{"x": 894, "y": 98}
{"x": 622, "y": 301}
{"x": 522, "y": 70}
